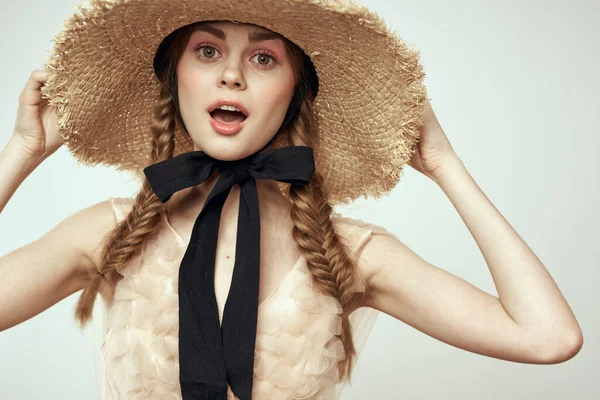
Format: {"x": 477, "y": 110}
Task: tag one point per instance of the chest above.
{"x": 279, "y": 253}
{"x": 297, "y": 347}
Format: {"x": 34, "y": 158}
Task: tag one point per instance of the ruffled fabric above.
{"x": 297, "y": 350}
{"x": 140, "y": 347}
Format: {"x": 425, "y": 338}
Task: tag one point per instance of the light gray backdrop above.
{"x": 515, "y": 86}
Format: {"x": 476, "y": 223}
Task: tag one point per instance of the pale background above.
{"x": 515, "y": 86}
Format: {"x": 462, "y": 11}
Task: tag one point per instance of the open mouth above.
{"x": 228, "y": 117}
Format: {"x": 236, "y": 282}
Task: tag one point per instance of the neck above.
{"x": 267, "y": 189}
{"x": 271, "y": 201}
{"x": 269, "y": 195}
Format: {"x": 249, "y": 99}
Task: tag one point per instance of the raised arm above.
{"x": 530, "y": 322}
{"x": 38, "y": 275}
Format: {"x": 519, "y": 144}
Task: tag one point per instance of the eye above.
{"x": 209, "y": 50}
{"x": 263, "y": 59}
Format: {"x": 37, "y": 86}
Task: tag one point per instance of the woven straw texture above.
{"x": 370, "y": 104}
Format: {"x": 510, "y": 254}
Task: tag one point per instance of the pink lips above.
{"x": 226, "y": 129}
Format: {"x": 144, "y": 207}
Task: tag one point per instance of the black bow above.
{"x": 211, "y": 355}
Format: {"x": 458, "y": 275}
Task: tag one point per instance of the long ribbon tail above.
{"x": 202, "y": 370}
{"x": 241, "y": 309}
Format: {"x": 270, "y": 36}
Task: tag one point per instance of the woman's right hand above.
{"x": 36, "y": 128}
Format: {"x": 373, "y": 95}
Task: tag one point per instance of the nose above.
{"x": 232, "y": 76}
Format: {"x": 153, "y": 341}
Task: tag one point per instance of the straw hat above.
{"x": 369, "y": 107}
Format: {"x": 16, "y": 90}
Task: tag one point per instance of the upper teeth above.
{"x": 228, "y": 108}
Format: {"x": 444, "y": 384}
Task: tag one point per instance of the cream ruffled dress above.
{"x": 296, "y": 351}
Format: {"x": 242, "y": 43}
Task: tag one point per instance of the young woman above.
{"x": 276, "y": 306}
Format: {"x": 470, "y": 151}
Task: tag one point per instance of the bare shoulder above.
{"x": 385, "y": 263}
{"x": 372, "y": 246}
{"x": 85, "y": 232}
{"x": 56, "y": 265}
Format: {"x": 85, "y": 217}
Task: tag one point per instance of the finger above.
{"x": 31, "y": 94}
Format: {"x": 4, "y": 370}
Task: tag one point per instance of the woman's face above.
{"x": 225, "y": 60}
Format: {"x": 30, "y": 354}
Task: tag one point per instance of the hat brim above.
{"x": 369, "y": 107}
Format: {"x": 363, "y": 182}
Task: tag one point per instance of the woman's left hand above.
{"x": 433, "y": 147}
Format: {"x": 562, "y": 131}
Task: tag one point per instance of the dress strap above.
{"x": 121, "y": 207}
{"x": 356, "y": 234}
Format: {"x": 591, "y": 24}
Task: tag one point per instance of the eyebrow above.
{"x": 253, "y": 37}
